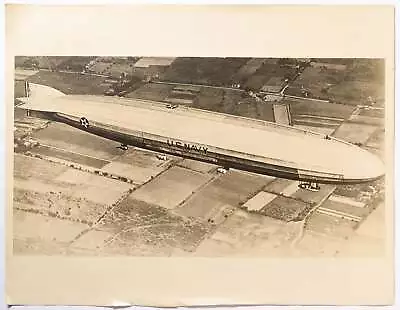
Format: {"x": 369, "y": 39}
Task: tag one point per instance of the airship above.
{"x": 225, "y": 140}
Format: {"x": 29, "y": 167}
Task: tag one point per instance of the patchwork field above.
{"x": 225, "y": 193}
{"x": 58, "y": 191}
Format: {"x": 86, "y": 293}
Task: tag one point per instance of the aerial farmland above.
{"x": 91, "y": 197}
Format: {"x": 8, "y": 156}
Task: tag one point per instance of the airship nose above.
{"x": 368, "y": 167}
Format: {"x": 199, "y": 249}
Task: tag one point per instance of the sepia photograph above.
{"x": 199, "y": 156}
{"x": 194, "y": 155}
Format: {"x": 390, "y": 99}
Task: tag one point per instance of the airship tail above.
{"x": 34, "y": 91}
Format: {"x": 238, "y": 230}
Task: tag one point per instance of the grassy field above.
{"x": 59, "y": 191}
{"x": 75, "y": 63}
{"x": 209, "y": 99}
{"x": 248, "y": 69}
{"x": 346, "y": 208}
{"x": 377, "y": 139}
{"x": 151, "y": 91}
{"x": 277, "y": 186}
{"x": 19, "y": 89}
{"x": 232, "y": 102}
{"x": 357, "y": 91}
{"x": 229, "y": 103}
{"x": 373, "y": 113}
{"x": 365, "y": 69}
{"x": 206, "y": 71}
{"x": 358, "y": 190}
{"x": 141, "y": 228}
{"x": 42, "y": 62}
{"x": 317, "y": 81}
{"x": 330, "y": 225}
{"x": 352, "y": 84}
{"x": 168, "y": 190}
{"x": 70, "y": 83}
{"x": 283, "y": 208}
{"x": 24, "y": 61}
{"x": 340, "y": 61}
{"x": 52, "y": 238}
{"x": 69, "y": 156}
{"x": 26, "y": 168}
{"x": 196, "y": 165}
{"x": 113, "y": 67}
{"x": 258, "y": 110}
{"x": 78, "y": 141}
{"x": 315, "y": 108}
{"x": 266, "y": 72}
{"x": 354, "y": 132}
{"x": 212, "y": 99}
{"x": 92, "y": 187}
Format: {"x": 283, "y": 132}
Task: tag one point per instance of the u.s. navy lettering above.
{"x": 187, "y": 146}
